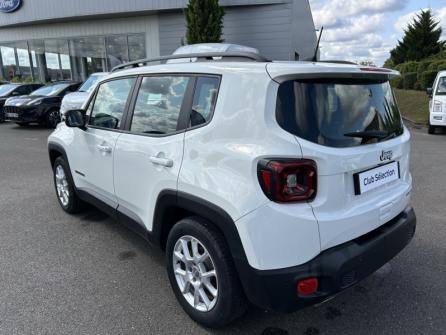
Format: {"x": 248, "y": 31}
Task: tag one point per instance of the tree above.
{"x": 421, "y": 39}
{"x": 204, "y": 21}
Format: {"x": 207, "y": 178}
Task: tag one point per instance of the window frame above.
{"x": 186, "y": 107}
{"x": 94, "y": 95}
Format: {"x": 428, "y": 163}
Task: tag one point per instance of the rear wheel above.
{"x": 66, "y": 195}
{"x": 202, "y": 273}
{"x": 52, "y": 118}
{"x": 431, "y": 129}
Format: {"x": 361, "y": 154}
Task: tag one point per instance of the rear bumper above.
{"x": 437, "y": 119}
{"x": 337, "y": 268}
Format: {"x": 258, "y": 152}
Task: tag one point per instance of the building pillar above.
{"x": 41, "y": 64}
{"x": 2, "y": 70}
{"x": 84, "y": 68}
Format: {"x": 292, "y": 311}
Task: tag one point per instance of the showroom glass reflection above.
{"x": 68, "y": 59}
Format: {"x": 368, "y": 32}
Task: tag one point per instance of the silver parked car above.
{"x": 75, "y": 100}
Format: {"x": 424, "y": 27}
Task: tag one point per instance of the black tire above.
{"x": 431, "y": 129}
{"x": 52, "y": 118}
{"x": 74, "y": 205}
{"x": 231, "y": 301}
{"x": 22, "y": 124}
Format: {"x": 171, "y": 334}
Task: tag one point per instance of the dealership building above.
{"x": 49, "y": 40}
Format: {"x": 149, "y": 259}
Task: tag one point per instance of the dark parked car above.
{"x": 41, "y": 106}
{"x": 14, "y": 90}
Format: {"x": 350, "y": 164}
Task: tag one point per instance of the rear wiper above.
{"x": 371, "y": 134}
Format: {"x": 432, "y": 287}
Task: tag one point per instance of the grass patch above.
{"x": 414, "y": 105}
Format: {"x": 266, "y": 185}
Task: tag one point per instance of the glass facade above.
{"x": 74, "y": 58}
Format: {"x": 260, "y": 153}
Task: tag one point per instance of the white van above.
{"x": 437, "y": 104}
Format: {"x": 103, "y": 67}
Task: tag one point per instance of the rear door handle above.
{"x": 104, "y": 148}
{"x": 161, "y": 161}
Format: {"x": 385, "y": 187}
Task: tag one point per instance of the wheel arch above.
{"x": 172, "y": 206}
{"x": 56, "y": 150}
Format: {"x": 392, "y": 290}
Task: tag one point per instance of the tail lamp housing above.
{"x": 285, "y": 180}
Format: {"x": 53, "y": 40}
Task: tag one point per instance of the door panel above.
{"x": 94, "y": 148}
{"x": 144, "y": 167}
{"x": 93, "y": 163}
{"x": 148, "y": 159}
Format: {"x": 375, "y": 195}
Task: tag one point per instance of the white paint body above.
{"x": 437, "y": 105}
{"x": 218, "y": 163}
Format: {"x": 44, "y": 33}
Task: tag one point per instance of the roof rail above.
{"x": 209, "y": 56}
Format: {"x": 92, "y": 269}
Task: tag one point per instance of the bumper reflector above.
{"x": 307, "y": 286}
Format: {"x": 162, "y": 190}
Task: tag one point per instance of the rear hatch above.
{"x": 346, "y": 119}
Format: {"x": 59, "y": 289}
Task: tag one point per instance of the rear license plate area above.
{"x": 376, "y": 177}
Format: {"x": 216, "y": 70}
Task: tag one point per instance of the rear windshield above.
{"x": 328, "y": 111}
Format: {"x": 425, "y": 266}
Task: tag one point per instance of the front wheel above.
{"x": 66, "y": 195}
{"x": 202, "y": 273}
{"x": 52, "y": 118}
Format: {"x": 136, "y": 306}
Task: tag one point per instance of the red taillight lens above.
{"x": 288, "y": 180}
{"x": 307, "y": 286}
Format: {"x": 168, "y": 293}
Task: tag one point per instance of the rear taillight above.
{"x": 284, "y": 180}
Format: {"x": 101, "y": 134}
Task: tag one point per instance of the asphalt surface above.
{"x": 86, "y": 274}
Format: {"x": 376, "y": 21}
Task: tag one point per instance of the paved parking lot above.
{"x": 88, "y": 275}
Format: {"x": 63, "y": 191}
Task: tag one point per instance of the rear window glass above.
{"x": 327, "y": 111}
{"x": 159, "y": 103}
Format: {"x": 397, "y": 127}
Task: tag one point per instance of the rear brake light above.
{"x": 288, "y": 180}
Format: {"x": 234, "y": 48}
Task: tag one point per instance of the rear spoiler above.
{"x": 283, "y": 71}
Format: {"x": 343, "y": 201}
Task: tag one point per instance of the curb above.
{"x": 413, "y": 124}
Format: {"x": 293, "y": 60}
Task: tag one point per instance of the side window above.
{"x": 158, "y": 105}
{"x": 205, "y": 97}
{"x": 70, "y": 89}
{"x": 109, "y": 105}
{"x": 441, "y": 86}
{"x": 22, "y": 90}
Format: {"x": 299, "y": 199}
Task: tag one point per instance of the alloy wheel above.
{"x": 63, "y": 191}
{"x": 195, "y": 273}
{"x": 53, "y": 118}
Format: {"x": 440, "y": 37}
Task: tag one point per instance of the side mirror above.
{"x": 75, "y": 118}
{"x": 429, "y": 91}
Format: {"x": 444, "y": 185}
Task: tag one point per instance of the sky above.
{"x": 366, "y": 30}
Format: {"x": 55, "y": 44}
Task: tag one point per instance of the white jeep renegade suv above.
{"x": 277, "y": 183}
